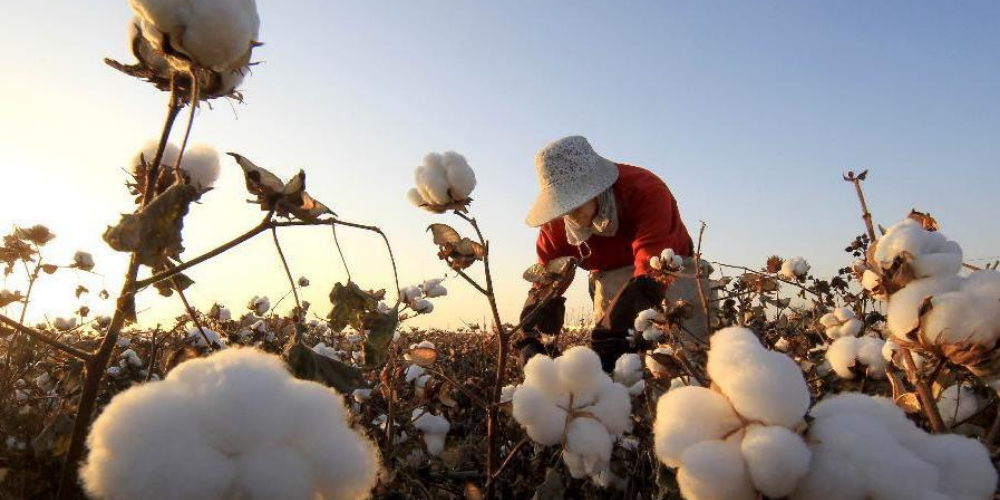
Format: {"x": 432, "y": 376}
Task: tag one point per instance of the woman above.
{"x": 613, "y": 217}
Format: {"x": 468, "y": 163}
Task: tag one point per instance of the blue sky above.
{"x": 751, "y": 111}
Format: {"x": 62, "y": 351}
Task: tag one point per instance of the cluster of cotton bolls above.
{"x": 668, "y": 260}
{"x": 200, "y": 163}
{"x": 570, "y": 401}
{"x": 930, "y": 305}
{"x": 847, "y": 350}
{"x": 416, "y": 296}
{"x": 232, "y": 425}
{"x": 217, "y": 35}
{"x": 864, "y": 447}
{"x": 443, "y": 180}
{"x": 742, "y": 438}
{"x": 794, "y": 269}
{"x": 646, "y": 324}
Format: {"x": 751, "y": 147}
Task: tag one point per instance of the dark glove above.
{"x": 609, "y": 339}
{"x": 548, "y": 319}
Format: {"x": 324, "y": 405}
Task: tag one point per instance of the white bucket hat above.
{"x": 570, "y": 174}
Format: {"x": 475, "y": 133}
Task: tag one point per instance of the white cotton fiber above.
{"x": 588, "y": 439}
{"x": 794, "y": 268}
{"x": 903, "y": 312}
{"x": 762, "y": 385}
{"x": 842, "y": 322}
{"x": 434, "y": 427}
{"x": 542, "y": 419}
{"x": 613, "y": 406}
{"x": 965, "y": 470}
{"x": 432, "y": 180}
{"x": 776, "y": 459}
{"x": 962, "y": 317}
{"x": 201, "y": 164}
{"x": 415, "y": 198}
{"x": 460, "y": 176}
{"x": 628, "y": 369}
{"x": 845, "y": 352}
{"x": 957, "y": 403}
{"x": 579, "y": 370}
{"x": 715, "y": 470}
{"x": 217, "y": 34}
{"x": 227, "y": 426}
{"x": 195, "y": 335}
{"x": 930, "y": 253}
{"x": 689, "y": 415}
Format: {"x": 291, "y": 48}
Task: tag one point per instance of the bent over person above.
{"x": 612, "y": 217}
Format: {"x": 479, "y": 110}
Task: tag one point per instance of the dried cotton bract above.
{"x": 443, "y": 182}
{"x": 235, "y": 425}
{"x": 570, "y": 401}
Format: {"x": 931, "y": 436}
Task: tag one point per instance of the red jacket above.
{"x": 648, "y": 222}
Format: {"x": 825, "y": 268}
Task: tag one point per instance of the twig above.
{"x": 45, "y": 338}
{"x": 288, "y": 272}
{"x": 697, "y": 277}
{"x": 865, "y": 214}
{"x": 468, "y": 394}
{"x": 343, "y": 259}
{"x": 472, "y": 282}
{"x": 507, "y": 461}
{"x": 194, "y": 315}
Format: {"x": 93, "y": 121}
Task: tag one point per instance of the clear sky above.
{"x": 750, "y": 111}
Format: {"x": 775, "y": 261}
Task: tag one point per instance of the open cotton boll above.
{"x": 434, "y": 427}
{"x": 432, "y": 180}
{"x": 148, "y": 154}
{"x": 613, "y": 406}
{"x": 216, "y": 34}
{"x": 670, "y": 259}
{"x": 776, "y": 459}
{"x": 413, "y": 372}
{"x": 965, "y": 470}
{"x": 932, "y": 254}
{"x": 579, "y": 370}
{"x": 542, "y": 419}
{"x": 410, "y": 294}
{"x": 323, "y": 350}
{"x": 846, "y": 351}
{"x": 259, "y": 304}
{"x": 507, "y": 393}
{"x": 960, "y": 317}
{"x": 689, "y": 415}
{"x": 460, "y": 176}
{"x": 195, "y": 335}
{"x": 433, "y": 289}
{"x": 794, "y": 268}
{"x": 655, "y": 263}
{"x": 842, "y": 322}
{"x": 644, "y": 320}
{"x": 63, "y": 324}
{"x": 423, "y": 306}
{"x": 201, "y": 164}
{"x": 762, "y": 385}
{"x": 589, "y": 440}
{"x": 903, "y": 312}
{"x": 222, "y": 426}
{"x": 984, "y": 282}
{"x": 957, "y": 403}
{"x": 628, "y": 369}
{"x": 657, "y": 369}
{"x": 415, "y": 197}
{"x": 715, "y": 470}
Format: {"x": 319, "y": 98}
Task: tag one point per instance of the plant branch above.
{"x": 343, "y": 259}
{"x": 45, "y": 338}
{"x": 697, "y": 278}
{"x": 288, "y": 273}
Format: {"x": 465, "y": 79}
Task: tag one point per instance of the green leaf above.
{"x": 307, "y": 365}
{"x": 381, "y": 330}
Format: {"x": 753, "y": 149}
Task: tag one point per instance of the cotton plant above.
{"x": 444, "y": 181}
{"x": 740, "y": 437}
{"x": 569, "y": 401}
{"x": 235, "y": 424}
{"x": 864, "y": 447}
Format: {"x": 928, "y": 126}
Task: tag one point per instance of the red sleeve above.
{"x": 549, "y": 246}
{"x": 658, "y": 225}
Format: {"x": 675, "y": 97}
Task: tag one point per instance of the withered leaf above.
{"x": 444, "y": 234}
{"x": 350, "y": 305}
{"x": 422, "y": 356}
{"x": 37, "y": 234}
{"x": 80, "y": 290}
{"x": 925, "y": 220}
{"x": 154, "y": 234}
{"x": 457, "y": 251}
{"x": 286, "y": 199}
{"x": 908, "y": 402}
{"x": 307, "y": 365}
{"x": 50, "y": 268}
{"x": 7, "y": 297}
{"x": 381, "y": 329}
{"x": 774, "y": 263}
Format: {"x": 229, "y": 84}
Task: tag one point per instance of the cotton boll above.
{"x": 655, "y": 263}
{"x": 579, "y": 370}
{"x": 841, "y": 323}
{"x": 148, "y": 154}
{"x": 460, "y": 176}
{"x": 654, "y": 366}
{"x": 197, "y": 335}
{"x": 201, "y": 164}
{"x": 543, "y": 420}
{"x": 985, "y": 282}
{"x": 842, "y": 356}
{"x": 957, "y": 403}
{"x": 432, "y": 180}
{"x": 932, "y": 254}
{"x": 64, "y": 324}
{"x": 903, "y": 312}
{"x": 689, "y": 415}
{"x": 646, "y": 319}
{"x": 762, "y": 385}
{"x": 588, "y": 439}
{"x": 423, "y": 306}
{"x": 794, "y": 268}
{"x": 410, "y": 294}
{"x": 965, "y": 469}
{"x": 613, "y": 407}
{"x": 259, "y": 305}
{"x": 413, "y": 372}
{"x": 960, "y": 317}
{"x": 540, "y": 372}
{"x": 507, "y": 393}
{"x": 870, "y": 355}
{"x": 434, "y": 427}
{"x": 161, "y": 417}
{"x": 415, "y": 198}
{"x": 637, "y": 389}
{"x": 776, "y": 459}
{"x": 715, "y": 470}
{"x": 628, "y": 369}
{"x": 273, "y": 473}
{"x": 831, "y": 476}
